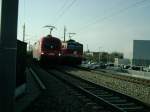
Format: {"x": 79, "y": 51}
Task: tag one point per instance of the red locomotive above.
{"x": 47, "y": 49}
{"x": 71, "y": 52}
{"x": 50, "y": 49}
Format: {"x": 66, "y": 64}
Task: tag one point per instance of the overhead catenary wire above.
{"x": 107, "y": 10}
{"x": 96, "y": 21}
{"x": 65, "y": 9}
{"x": 24, "y": 9}
{"x": 60, "y": 11}
{"x": 62, "y": 7}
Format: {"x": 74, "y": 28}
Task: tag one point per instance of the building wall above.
{"x": 141, "y": 52}
{"x": 122, "y": 61}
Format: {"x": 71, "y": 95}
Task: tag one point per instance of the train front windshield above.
{"x": 75, "y": 46}
{"x": 49, "y": 44}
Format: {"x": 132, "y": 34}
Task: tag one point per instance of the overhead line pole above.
{"x": 8, "y": 48}
{"x": 99, "y": 56}
{"x": 24, "y": 32}
{"x": 64, "y": 33}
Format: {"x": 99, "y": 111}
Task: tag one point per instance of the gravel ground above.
{"x": 126, "y": 85}
{"x": 31, "y": 93}
{"x": 57, "y": 97}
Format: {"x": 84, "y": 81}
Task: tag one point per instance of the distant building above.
{"x": 89, "y": 53}
{"x": 141, "y": 53}
{"x": 122, "y": 62}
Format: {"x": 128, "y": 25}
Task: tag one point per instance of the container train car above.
{"x": 71, "y": 52}
{"x": 47, "y": 50}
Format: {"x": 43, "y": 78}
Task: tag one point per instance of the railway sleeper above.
{"x": 111, "y": 98}
{"x": 82, "y": 97}
{"x": 126, "y": 105}
{"x": 117, "y": 101}
{"x": 97, "y": 108}
{"x": 86, "y": 100}
{"x": 88, "y": 107}
{"x": 99, "y": 92}
{"x": 104, "y": 95}
{"x": 78, "y": 94}
{"x": 134, "y": 109}
{"x": 91, "y": 104}
{"x": 91, "y": 88}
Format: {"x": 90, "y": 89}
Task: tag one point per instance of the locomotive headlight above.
{"x": 59, "y": 54}
{"x": 42, "y": 52}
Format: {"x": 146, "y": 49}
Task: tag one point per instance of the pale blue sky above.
{"x": 111, "y": 25}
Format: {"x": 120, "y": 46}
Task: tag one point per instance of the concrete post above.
{"x": 8, "y": 38}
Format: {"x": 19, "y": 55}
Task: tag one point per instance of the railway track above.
{"x": 108, "y": 99}
{"x": 123, "y": 77}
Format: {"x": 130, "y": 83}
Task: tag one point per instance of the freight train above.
{"x": 49, "y": 50}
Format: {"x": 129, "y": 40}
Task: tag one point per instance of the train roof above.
{"x": 50, "y": 37}
{"x": 73, "y": 42}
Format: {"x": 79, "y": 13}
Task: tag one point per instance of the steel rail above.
{"x": 122, "y": 104}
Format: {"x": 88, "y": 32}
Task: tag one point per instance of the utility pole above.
{"x": 24, "y": 32}
{"x": 8, "y": 49}
{"x": 99, "y": 57}
{"x": 64, "y": 33}
{"x": 87, "y": 48}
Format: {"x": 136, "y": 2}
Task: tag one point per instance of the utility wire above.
{"x": 108, "y": 10}
{"x": 24, "y": 9}
{"x": 62, "y": 7}
{"x": 111, "y": 15}
{"x": 60, "y": 11}
{"x": 65, "y": 10}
